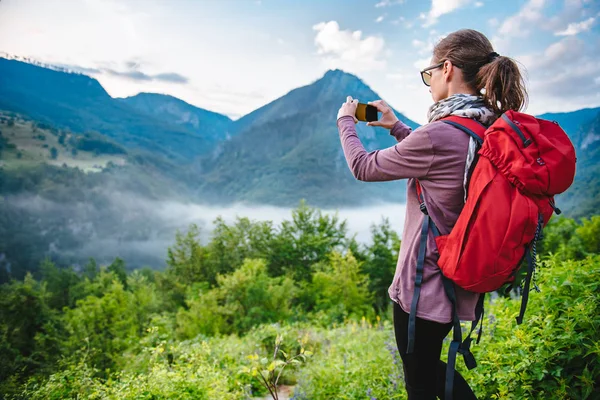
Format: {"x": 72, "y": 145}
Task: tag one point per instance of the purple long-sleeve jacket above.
{"x": 435, "y": 154}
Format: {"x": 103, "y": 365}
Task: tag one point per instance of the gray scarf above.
{"x": 463, "y": 105}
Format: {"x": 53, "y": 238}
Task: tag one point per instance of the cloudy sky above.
{"x": 233, "y": 56}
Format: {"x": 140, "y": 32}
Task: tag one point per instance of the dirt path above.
{"x": 285, "y": 392}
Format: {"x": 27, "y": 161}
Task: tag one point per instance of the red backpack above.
{"x": 522, "y": 163}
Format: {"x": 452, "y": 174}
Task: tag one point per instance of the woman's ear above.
{"x": 448, "y": 70}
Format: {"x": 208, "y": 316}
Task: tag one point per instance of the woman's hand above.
{"x": 388, "y": 118}
{"x": 348, "y": 108}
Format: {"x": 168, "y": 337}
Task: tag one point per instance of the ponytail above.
{"x": 503, "y": 84}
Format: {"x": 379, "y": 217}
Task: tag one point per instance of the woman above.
{"x": 466, "y": 78}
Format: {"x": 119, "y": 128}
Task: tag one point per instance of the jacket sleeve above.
{"x": 411, "y": 157}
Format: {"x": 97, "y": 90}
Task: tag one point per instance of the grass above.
{"x": 33, "y": 143}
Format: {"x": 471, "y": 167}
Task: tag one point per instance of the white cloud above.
{"x": 555, "y": 56}
{"x": 573, "y": 12}
{"x": 520, "y": 23}
{"x": 418, "y": 43}
{"x": 577, "y": 27}
{"x": 561, "y": 76}
{"x": 387, "y": 3}
{"x": 380, "y": 18}
{"x": 425, "y": 47}
{"x": 422, "y": 63}
{"x": 493, "y": 22}
{"x": 479, "y": 4}
{"x": 348, "y": 49}
{"x": 402, "y": 21}
{"x": 441, "y": 7}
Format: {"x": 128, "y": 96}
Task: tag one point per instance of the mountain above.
{"x": 210, "y": 125}
{"x": 290, "y": 149}
{"x": 574, "y": 123}
{"x": 583, "y": 198}
{"x": 286, "y": 150}
{"x": 583, "y": 127}
{"x": 79, "y": 103}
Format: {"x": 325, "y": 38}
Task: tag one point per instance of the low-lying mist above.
{"x": 139, "y": 230}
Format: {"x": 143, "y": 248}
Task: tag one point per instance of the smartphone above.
{"x": 366, "y": 112}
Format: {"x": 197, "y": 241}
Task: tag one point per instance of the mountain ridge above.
{"x": 284, "y": 150}
{"x": 171, "y": 109}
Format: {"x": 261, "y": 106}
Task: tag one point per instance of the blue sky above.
{"x": 233, "y": 56}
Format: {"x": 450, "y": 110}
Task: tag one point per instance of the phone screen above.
{"x": 366, "y": 112}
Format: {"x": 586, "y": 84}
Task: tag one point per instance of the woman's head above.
{"x": 467, "y": 63}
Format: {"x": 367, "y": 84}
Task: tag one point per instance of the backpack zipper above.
{"x": 513, "y": 124}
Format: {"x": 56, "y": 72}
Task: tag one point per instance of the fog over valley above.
{"x": 140, "y": 230}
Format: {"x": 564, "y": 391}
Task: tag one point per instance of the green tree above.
{"x": 340, "y": 289}
{"x": 589, "y": 232}
{"x": 102, "y": 327}
{"x": 63, "y": 285}
{"x": 205, "y": 315}
{"x": 187, "y": 259}
{"x": 230, "y": 245}
{"x": 251, "y": 297}
{"x": 380, "y": 264}
{"x": 304, "y": 241}
{"x": 91, "y": 269}
{"x": 118, "y": 268}
{"x": 28, "y": 329}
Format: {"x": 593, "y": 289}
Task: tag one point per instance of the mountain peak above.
{"x": 332, "y": 73}
{"x": 339, "y": 77}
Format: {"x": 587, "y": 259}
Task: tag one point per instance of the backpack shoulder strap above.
{"x": 470, "y": 126}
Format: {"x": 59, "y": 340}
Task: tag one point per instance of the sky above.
{"x": 234, "y": 56}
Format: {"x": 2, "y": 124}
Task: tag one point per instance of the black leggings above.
{"x": 424, "y": 372}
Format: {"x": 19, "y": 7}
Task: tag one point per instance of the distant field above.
{"x": 27, "y": 143}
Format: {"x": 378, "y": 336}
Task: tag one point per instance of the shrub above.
{"x": 555, "y": 352}
{"x": 357, "y": 361}
{"x": 340, "y": 290}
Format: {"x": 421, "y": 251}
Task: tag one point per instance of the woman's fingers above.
{"x": 380, "y": 105}
{"x": 374, "y": 123}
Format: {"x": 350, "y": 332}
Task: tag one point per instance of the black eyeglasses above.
{"x": 426, "y": 73}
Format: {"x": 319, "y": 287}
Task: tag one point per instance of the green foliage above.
{"x": 340, "y": 290}
{"x": 102, "y": 332}
{"x": 103, "y": 326}
{"x": 187, "y": 260}
{"x": 555, "y": 352}
{"x": 231, "y": 244}
{"x": 118, "y": 268}
{"x": 189, "y": 373}
{"x": 204, "y": 316}
{"x": 64, "y": 286}
{"x": 571, "y": 240}
{"x": 357, "y": 361}
{"x": 268, "y": 371}
{"x": 252, "y": 297}
{"x": 96, "y": 143}
{"x": 589, "y": 232}
{"x": 380, "y": 263}
{"x": 28, "y": 329}
{"x": 305, "y": 240}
